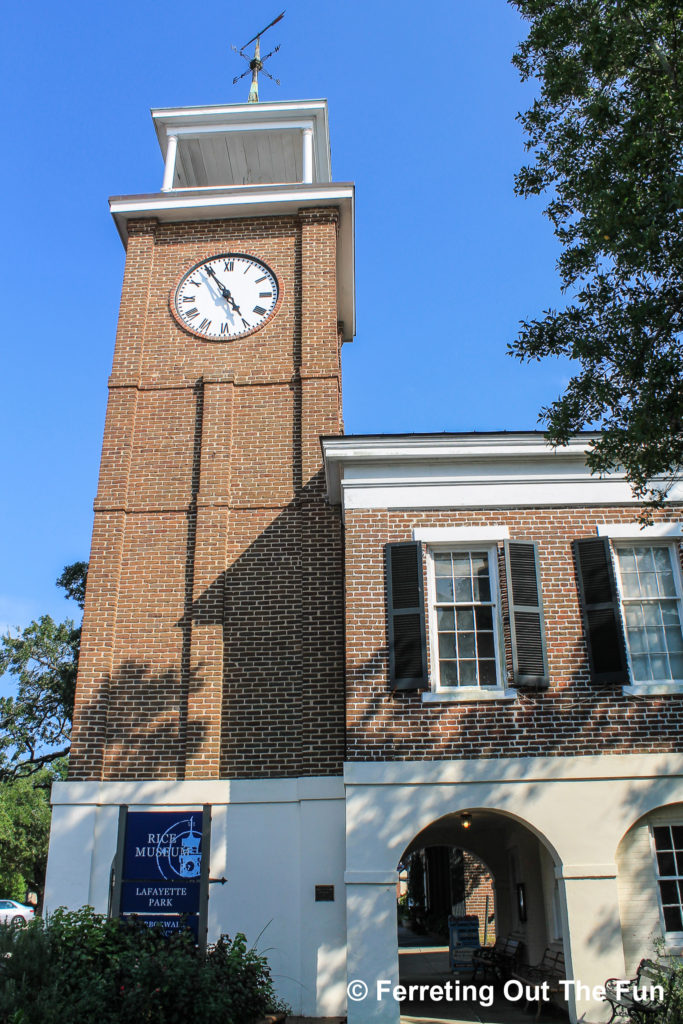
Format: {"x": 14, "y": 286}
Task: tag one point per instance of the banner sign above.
{"x": 162, "y": 862}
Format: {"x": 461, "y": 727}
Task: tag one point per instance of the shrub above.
{"x": 81, "y": 967}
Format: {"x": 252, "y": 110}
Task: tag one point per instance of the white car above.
{"x": 15, "y": 913}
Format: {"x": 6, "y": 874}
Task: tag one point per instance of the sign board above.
{"x": 161, "y": 873}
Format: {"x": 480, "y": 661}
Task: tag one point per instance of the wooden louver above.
{"x": 406, "y": 619}
{"x": 527, "y": 632}
{"x": 600, "y": 608}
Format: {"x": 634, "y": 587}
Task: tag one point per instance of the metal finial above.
{"x": 256, "y": 62}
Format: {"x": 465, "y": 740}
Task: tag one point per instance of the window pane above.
{"x": 442, "y": 563}
{"x": 487, "y": 673}
{"x": 627, "y": 559}
{"x": 461, "y": 565}
{"x": 630, "y": 584}
{"x": 666, "y": 863}
{"x": 650, "y": 614}
{"x": 670, "y": 615}
{"x": 672, "y": 919}
{"x": 480, "y": 563}
{"x": 465, "y": 618}
{"x": 444, "y": 588}
{"x": 679, "y": 862}
{"x": 485, "y": 645}
{"x": 677, "y": 833}
{"x": 644, "y": 560}
{"x": 659, "y": 666}
{"x": 655, "y": 638}
{"x": 468, "y": 673}
{"x": 667, "y": 587}
{"x": 484, "y": 618}
{"x": 447, "y": 645}
{"x": 662, "y": 559}
{"x": 463, "y": 588}
{"x": 648, "y": 584}
{"x": 669, "y": 892}
{"x": 662, "y": 837}
{"x": 641, "y": 668}
{"x": 482, "y": 589}
{"x": 466, "y": 645}
{"x": 449, "y": 673}
{"x": 445, "y": 619}
{"x": 634, "y": 615}
{"x": 676, "y": 666}
{"x": 636, "y": 640}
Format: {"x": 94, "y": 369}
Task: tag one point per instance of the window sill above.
{"x": 467, "y": 694}
{"x": 652, "y": 689}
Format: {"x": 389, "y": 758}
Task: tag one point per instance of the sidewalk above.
{"x": 428, "y": 965}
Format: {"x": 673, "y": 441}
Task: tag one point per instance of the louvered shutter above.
{"x": 527, "y": 632}
{"x": 406, "y": 620}
{"x": 600, "y": 608}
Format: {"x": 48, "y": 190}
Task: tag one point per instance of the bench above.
{"x": 622, "y": 993}
{"x": 549, "y": 971}
{"x": 498, "y": 959}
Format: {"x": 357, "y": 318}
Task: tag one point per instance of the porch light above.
{"x": 466, "y": 820}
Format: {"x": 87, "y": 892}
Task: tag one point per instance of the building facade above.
{"x": 331, "y": 648}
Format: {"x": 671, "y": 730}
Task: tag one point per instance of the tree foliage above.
{"x": 606, "y": 138}
{"x": 35, "y": 724}
{"x": 24, "y": 831}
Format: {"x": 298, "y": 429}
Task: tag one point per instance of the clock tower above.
{"x": 211, "y": 669}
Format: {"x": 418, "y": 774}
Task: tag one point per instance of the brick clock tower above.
{"x": 210, "y": 703}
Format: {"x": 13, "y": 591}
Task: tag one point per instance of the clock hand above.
{"x": 225, "y": 292}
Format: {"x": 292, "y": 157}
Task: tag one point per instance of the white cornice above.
{"x": 255, "y": 201}
{"x": 466, "y": 470}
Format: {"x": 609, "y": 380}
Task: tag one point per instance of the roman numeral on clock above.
{"x": 204, "y": 325}
{"x": 246, "y": 324}
{"x": 265, "y": 295}
{"x": 230, "y": 265}
{"x": 225, "y": 328}
{"x": 259, "y": 309}
{"x": 191, "y": 313}
{"x": 188, "y": 298}
{"x": 259, "y": 279}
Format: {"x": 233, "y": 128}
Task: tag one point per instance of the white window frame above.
{"x": 671, "y": 939}
{"x": 623, "y": 535}
{"x": 485, "y": 540}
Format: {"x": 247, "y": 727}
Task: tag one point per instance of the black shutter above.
{"x": 406, "y": 620}
{"x": 600, "y": 607}
{"x": 527, "y": 632}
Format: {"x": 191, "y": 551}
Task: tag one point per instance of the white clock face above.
{"x": 226, "y": 297}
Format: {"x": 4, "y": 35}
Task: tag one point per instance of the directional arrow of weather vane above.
{"x": 257, "y": 61}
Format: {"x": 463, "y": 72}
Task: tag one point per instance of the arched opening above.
{"x": 471, "y": 876}
{"x": 649, "y": 862}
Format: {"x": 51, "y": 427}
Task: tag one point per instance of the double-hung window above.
{"x": 465, "y": 613}
{"x": 630, "y": 589}
{"x": 668, "y": 849}
{"x": 457, "y": 618}
{"x": 651, "y": 609}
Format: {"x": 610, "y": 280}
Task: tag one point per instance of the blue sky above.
{"x": 422, "y": 104}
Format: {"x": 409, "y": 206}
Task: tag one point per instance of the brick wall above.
{"x": 572, "y": 717}
{"x": 212, "y": 634}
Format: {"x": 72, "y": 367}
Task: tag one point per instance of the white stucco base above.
{"x": 274, "y": 840}
{"x": 577, "y": 809}
{"x": 561, "y": 825}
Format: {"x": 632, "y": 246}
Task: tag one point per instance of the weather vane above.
{"x": 257, "y": 61}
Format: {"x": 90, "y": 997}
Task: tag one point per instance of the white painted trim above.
{"x": 460, "y": 534}
{"x": 586, "y": 871}
{"x": 185, "y": 793}
{"x": 486, "y": 771}
{"x": 467, "y": 694}
{"x": 370, "y": 877}
{"x": 191, "y": 130}
{"x": 635, "y": 531}
{"x": 662, "y": 689}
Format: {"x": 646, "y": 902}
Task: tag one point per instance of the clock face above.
{"x": 226, "y": 297}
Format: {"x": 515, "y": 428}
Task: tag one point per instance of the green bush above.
{"x": 83, "y": 968}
